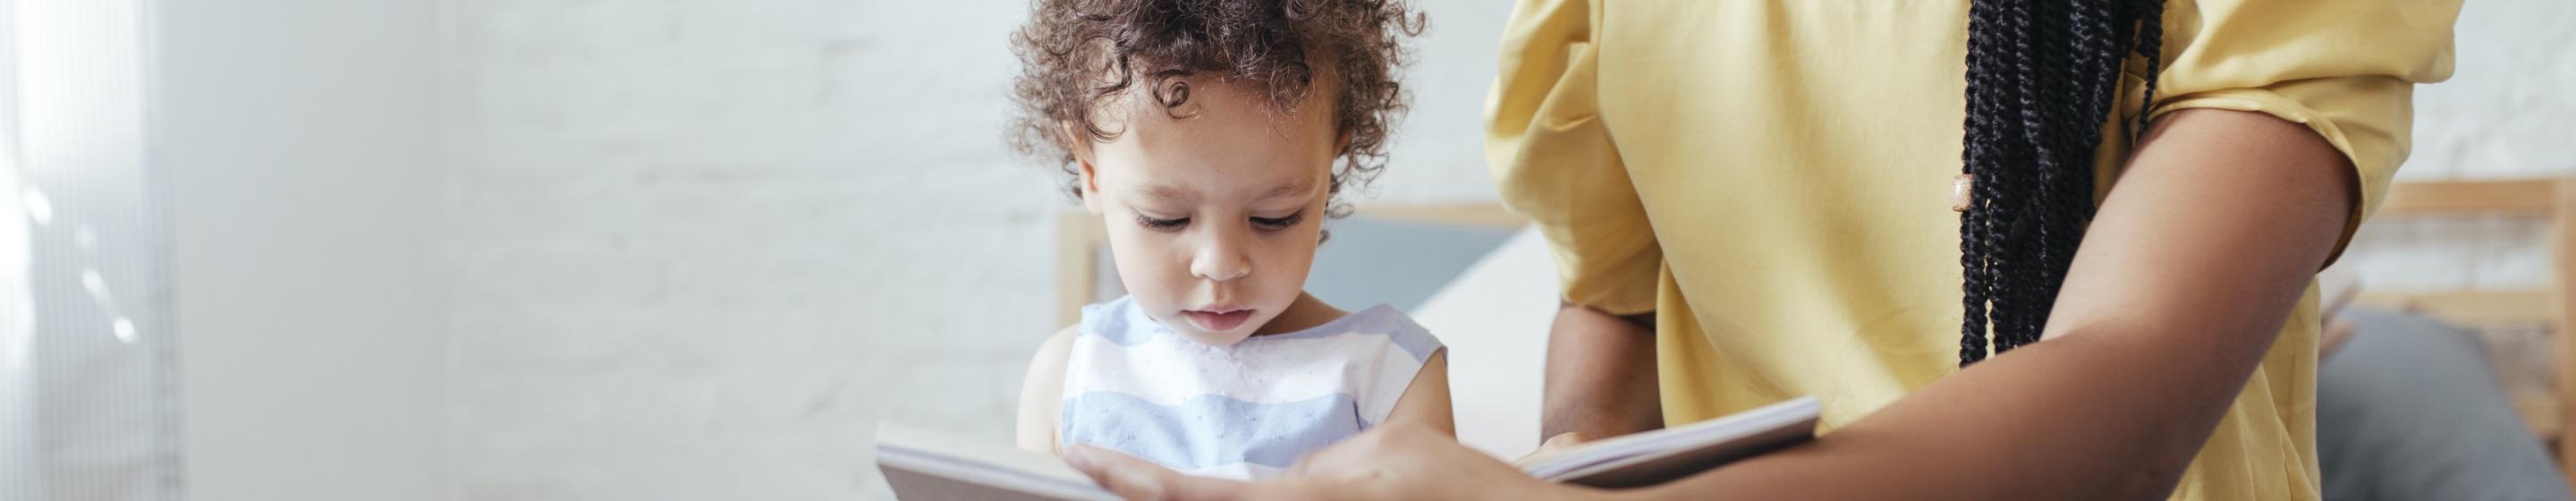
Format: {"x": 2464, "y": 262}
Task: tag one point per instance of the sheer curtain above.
{"x": 88, "y": 400}
{"x": 18, "y": 452}
{"x": 18, "y": 477}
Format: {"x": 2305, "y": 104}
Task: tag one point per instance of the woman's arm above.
{"x": 2181, "y": 284}
{"x": 2183, "y": 281}
{"x": 1600, "y": 377}
{"x": 1042, "y": 394}
{"x": 1426, "y": 399}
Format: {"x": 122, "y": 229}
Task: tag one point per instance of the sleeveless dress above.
{"x": 1244, "y": 411}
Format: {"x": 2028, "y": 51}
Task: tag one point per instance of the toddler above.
{"x": 1212, "y": 137}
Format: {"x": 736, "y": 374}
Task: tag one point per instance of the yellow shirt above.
{"x": 1773, "y": 178}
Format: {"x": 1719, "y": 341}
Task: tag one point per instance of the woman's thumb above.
{"x": 1567, "y": 439}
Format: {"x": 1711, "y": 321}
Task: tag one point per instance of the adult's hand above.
{"x": 1401, "y": 461}
{"x": 1552, "y": 447}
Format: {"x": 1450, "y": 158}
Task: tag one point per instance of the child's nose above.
{"x": 1221, "y": 259}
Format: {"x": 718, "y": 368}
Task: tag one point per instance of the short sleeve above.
{"x": 2345, "y": 68}
{"x": 1554, "y": 161}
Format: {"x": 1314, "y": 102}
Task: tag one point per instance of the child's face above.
{"x": 1213, "y": 218}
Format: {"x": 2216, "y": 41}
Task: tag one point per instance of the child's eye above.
{"x": 1149, "y": 222}
{"x": 1278, "y": 223}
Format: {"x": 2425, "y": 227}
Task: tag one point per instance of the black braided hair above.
{"x": 2043, "y": 77}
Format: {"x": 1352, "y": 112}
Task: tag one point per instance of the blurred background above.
{"x": 693, "y": 249}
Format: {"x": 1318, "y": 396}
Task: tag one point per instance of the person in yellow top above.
{"x": 2109, "y": 212}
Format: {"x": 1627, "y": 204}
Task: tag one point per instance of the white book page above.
{"x": 926, "y": 465}
{"x": 1736, "y": 434}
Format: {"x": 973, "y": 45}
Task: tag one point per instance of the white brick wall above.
{"x": 701, "y": 246}
{"x": 2508, "y": 112}
{"x": 697, "y": 248}
{"x": 299, "y": 145}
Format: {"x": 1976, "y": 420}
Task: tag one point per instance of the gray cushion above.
{"x": 2409, "y": 410}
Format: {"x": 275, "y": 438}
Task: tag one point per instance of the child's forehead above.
{"x": 1227, "y": 120}
{"x": 1241, "y": 189}
{"x": 1232, "y": 165}
{"x": 1191, "y": 100}
{"x": 1221, "y": 142}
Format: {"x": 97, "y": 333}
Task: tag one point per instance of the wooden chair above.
{"x": 2550, "y": 413}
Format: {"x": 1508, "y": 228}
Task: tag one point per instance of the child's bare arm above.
{"x": 1426, "y": 401}
{"x": 1042, "y": 393}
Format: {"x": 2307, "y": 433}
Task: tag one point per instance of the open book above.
{"x": 1654, "y": 457}
{"x": 929, "y": 466}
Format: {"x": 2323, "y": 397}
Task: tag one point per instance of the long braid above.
{"x": 2151, "y": 45}
{"x": 2021, "y": 186}
{"x": 1973, "y": 223}
{"x": 2043, "y": 79}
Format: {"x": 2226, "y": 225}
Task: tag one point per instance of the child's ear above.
{"x": 1343, "y": 144}
{"x": 1089, "y": 185}
{"x": 1086, "y": 178}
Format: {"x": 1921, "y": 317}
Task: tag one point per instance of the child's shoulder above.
{"x": 1047, "y": 367}
{"x": 1118, "y": 320}
{"x": 1059, "y": 343}
{"x": 1041, "y": 392}
{"x": 1053, "y": 355}
{"x": 1383, "y": 320}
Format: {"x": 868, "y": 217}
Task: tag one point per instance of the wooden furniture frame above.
{"x": 2553, "y": 201}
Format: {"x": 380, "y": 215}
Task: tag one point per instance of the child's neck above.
{"x": 1304, "y": 313}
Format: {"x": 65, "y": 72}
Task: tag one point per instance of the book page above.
{"x": 1653, "y": 457}
{"x": 924, "y": 465}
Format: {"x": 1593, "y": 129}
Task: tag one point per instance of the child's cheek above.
{"x": 1288, "y": 264}
{"x": 1150, "y": 266}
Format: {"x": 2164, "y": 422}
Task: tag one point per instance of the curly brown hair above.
{"x": 1076, "y": 55}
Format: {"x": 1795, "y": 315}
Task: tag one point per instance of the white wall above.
{"x": 2506, "y": 113}
{"x": 300, "y": 145}
{"x": 701, "y": 248}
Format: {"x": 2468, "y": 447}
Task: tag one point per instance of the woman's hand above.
{"x": 1399, "y": 461}
{"x": 1552, "y": 447}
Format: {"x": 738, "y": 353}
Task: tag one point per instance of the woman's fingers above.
{"x": 1353, "y": 457}
{"x": 1141, "y": 480}
{"x": 1404, "y": 461}
{"x": 1369, "y": 455}
{"x": 1122, "y": 474}
{"x": 1554, "y": 445}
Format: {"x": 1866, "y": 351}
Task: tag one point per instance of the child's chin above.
{"x": 1217, "y": 338}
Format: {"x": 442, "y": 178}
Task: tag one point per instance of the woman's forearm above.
{"x": 2189, "y": 271}
{"x": 1600, "y": 375}
{"x": 2064, "y": 419}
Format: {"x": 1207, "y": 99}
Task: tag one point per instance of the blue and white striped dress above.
{"x": 1243, "y": 411}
